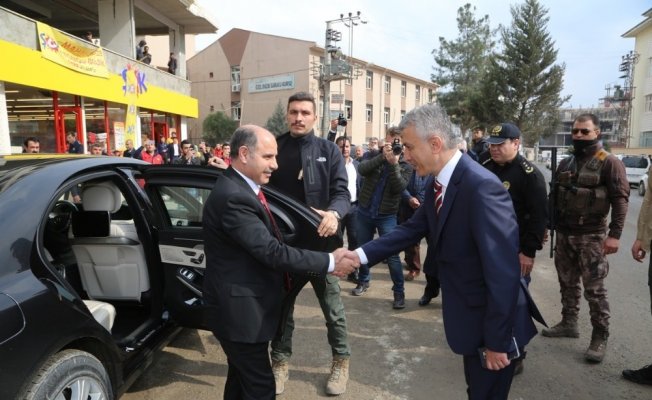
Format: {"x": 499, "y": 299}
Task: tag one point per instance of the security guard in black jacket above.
{"x": 527, "y": 188}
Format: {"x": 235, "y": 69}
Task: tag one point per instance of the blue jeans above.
{"x": 366, "y": 228}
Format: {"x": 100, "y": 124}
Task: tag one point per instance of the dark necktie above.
{"x": 287, "y": 281}
{"x": 439, "y": 195}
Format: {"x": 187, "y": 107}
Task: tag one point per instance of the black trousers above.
{"x": 484, "y": 384}
{"x": 250, "y": 374}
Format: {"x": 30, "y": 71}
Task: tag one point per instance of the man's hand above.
{"x": 217, "y": 162}
{"x": 334, "y": 125}
{"x": 389, "y": 154}
{"x": 610, "y": 245}
{"x": 345, "y": 262}
{"x": 546, "y": 236}
{"x": 496, "y": 361}
{"x": 414, "y": 203}
{"x": 527, "y": 263}
{"x": 637, "y": 251}
{"x": 328, "y": 225}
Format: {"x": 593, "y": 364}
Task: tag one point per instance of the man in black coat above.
{"x": 243, "y": 283}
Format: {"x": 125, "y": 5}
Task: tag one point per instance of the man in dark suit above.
{"x": 474, "y": 251}
{"x": 243, "y": 282}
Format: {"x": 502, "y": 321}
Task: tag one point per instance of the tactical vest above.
{"x": 581, "y": 196}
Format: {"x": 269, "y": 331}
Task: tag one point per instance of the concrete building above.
{"x": 53, "y": 81}
{"x": 246, "y": 74}
{"x": 641, "y": 115}
{"x": 609, "y": 115}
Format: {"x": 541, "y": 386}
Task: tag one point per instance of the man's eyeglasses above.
{"x": 584, "y": 131}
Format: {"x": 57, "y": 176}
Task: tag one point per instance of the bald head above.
{"x": 253, "y": 153}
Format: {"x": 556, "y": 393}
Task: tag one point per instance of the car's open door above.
{"x": 178, "y": 194}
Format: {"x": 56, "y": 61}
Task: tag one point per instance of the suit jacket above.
{"x": 473, "y": 246}
{"x": 243, "y": 282}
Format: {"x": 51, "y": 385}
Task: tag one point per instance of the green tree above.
{"x": 277, "y": 123}
{"x": 524, "y": 84}
{"x": 461, "y": 65}
{"x": 218, "y": 127}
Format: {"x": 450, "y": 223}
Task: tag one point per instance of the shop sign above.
{"x": 269, "y": 83}
{"x": 71, "y": 52}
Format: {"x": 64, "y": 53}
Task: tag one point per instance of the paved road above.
{"x": 404, "y": 355}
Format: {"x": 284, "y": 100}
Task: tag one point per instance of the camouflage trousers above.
{"x": 581, "y": 257}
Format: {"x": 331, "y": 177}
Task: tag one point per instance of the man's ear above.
{"x": 243, "y": 154}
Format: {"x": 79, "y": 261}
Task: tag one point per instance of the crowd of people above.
{"x": 423, "y": 181}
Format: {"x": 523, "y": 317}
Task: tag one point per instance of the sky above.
{"x": 402, "y": 35}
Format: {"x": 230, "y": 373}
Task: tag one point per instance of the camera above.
{"x": 341, "y": 121}
{"x": 397, "y": 147}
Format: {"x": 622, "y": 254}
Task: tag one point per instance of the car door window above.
{"x": 184, "y": 205}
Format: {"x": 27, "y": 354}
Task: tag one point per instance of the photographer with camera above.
{"x": 385, "y": 175}
{"x": 332, "y": 132}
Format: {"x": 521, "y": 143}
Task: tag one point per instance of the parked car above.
{"x": 637, "y": 168}
{"x": 89, "y": 291}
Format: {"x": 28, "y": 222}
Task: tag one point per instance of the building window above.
{"x": 418, "y": 92}
{"x": 386, "y": 116}
{"x": 212, "y": 108}
{"x": 235, "y": 78}
{"x": 431, "y": 95}
{"x": 348, "y": 109}
{"x": 370, "y": 112}
{"x": 646, "y": 141}
{"x": 210, "y": 74}
{"x": 236, "y": 111}
{"x": 648, "y": 103}
{"x": 387, "y": 85}
{"x": 403, "y": 88}
{"x": 370, "y": 79}
{"x": 402, "y": 114}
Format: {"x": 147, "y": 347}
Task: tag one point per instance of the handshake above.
{"x": 346, "y": 261}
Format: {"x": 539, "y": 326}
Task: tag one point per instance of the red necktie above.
{"x": 439, "y": 195}
{"x": 287, "y": 282}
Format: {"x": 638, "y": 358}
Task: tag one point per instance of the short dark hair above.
{"x": 303, "y": 96}
{"x": 479, "y": 128}
{"x": 185, "y": 142}
{"x": 588, "y": 117}
{"x": 243, "y": 136}
{"x": 394, "y": 131}
{"x": 30, "y": 139}
{"x": 342, "y": 139}
{"x": 98, "y": 146}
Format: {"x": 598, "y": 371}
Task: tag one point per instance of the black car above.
{"x": 101, "y": 264}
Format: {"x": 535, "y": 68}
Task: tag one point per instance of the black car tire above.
{"x": 641, "y": 188}
{"x": 68, "y": 371}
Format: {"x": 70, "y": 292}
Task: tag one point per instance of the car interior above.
{"x": 95, "y": 246}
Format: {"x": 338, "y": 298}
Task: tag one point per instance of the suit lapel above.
{"x": 235, "y": 177}
{"x": 449, "y": 197}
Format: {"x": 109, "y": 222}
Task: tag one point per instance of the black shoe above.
{"x": 399, "y": 300}
{"x": 427, "y": 297}
{"x": 360, "y": 289}
{"x": 642, "y": 376}
{"x": 518, "y": 366}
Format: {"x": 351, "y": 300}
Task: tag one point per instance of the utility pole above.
{"x": 627, "y": 64}
{"x": 335, "y": 66}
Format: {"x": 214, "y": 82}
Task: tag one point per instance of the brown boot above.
{"x": 566, "y": 328}
{"x": 339, "y": 376}
{"x": 281, "y": 375}
{"x": 598, "y": 347}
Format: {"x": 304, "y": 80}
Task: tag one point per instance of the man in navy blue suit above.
{"x": 474, "y": 250}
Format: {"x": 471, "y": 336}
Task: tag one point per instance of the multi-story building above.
{"x": 54, "y": 81}
{"x": 246, "y": 74}
{"x": 641, "y": 114}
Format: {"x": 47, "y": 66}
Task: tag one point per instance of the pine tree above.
{"x": 524, "y": 83}
{"x": 276, "y": 124}
{"x": 218, "y": 127}
{"x": 461, "y": 65}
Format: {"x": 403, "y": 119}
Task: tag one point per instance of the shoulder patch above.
{"x": 527, "y": 166}
{"x": 602, "y": 154}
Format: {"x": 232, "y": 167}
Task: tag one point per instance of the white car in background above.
{"x": 637, "y": 167}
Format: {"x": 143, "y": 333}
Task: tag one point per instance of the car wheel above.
{"x": 641, "y": 188}
{"x": 71, "y": 375}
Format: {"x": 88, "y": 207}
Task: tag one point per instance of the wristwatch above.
{"x": 336, "y": 214}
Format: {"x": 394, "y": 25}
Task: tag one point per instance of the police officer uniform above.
{"x": 527, "y": 188}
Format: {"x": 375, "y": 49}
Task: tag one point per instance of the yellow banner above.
{"x": 70, "y": 52}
